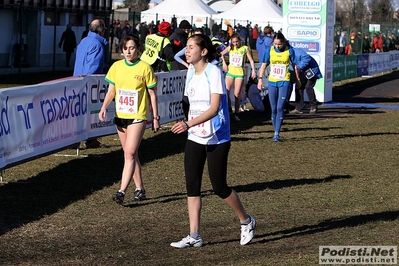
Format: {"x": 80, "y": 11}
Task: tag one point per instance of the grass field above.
{"x": 332, "y": 181}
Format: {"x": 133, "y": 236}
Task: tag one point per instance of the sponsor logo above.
{"x": 301, "y": 5}
{"x": 304, "y": 33}
{"x": 312, "y": 47}
{"x": 296, "y": 18}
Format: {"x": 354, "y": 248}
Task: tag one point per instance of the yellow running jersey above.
{"x": 279, "y": 65}
{"x": 237, "y": 59}
{"x": 131, "y": 82}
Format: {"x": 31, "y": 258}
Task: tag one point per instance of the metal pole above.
{"x": 20, "y": 39}
{"x": 54, "y": 37}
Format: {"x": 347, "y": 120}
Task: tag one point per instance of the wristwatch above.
{"x": 157, "y": 117}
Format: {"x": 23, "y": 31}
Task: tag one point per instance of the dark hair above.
{"x": 235, "y": 35}
{"x": 204, "y": 42}
{"x": 224, "y": 35}
{"x": 130, "y": 37}
{"x": 268, "y": 30}
{"x": 280, "y": 36}
{"x": 201, "y": 30}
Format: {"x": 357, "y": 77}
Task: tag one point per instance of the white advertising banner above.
{"x": 38, "y": 119}
{"x": 309, "y": 25}
{"x": 381, "y": 62}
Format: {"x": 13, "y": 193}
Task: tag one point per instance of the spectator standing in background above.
{"x": 254, "y": 36}
{"x": 178, "y": 40}
{"x": 244, "y": 35}
{"x": 264, "y": 41}
{"x": 158, "y": 51}
{"x": 354, "y": 43}
{"x": 215, "y": 29}
{"x": 230, "y": 30}
{"x": 336, "y": 42}
{"x": 117, "y": 34}
{"x": 380, "y": 44}
{"x": 144, "y": 32}
{"x": 343, "y": 42}
{"x": 126, "y": 29}
{"x": 84, "y": 34}
{"x": 366, "y": 44}
{"x": 90, "y": 59}
{"x": 68, "y": 43}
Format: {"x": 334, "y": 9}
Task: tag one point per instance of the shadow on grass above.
{"x": 46, "y": 193}
{"x": 276, "y": 184}
{"x": 341, "y": 136}
{"x": 330, "y": 224}
{"x": 286, "y": 183}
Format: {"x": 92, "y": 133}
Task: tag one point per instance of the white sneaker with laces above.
{"x": 247, "y": 231}
{"x": 188, "y": 241}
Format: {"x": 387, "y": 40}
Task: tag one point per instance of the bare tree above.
{"x": 137, "y": 5}
{"x": 381, "y": 10}
{"x": 351, "y": 12}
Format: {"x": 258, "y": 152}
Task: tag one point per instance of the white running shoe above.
{"x": 247, "y": 231}
{"x": 188, "y": 241}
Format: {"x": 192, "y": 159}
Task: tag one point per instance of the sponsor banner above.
{"x": 39, "y": 119}
{"x": 363, "y": 65}
{"x": 380, "y": 62}
{"x": 309, "y": 25}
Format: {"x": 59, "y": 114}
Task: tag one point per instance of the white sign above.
{"x": 374, "y": 27}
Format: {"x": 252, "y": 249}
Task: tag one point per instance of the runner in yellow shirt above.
{"x": 131, "y": 84}
{"x": 235, "y": 70}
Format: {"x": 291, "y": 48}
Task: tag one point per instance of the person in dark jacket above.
{"x": 178, "y": 40}
{"x": 68, "y": 43}
{"x": 143, "y": 32}
{"x": 366, "y": 44}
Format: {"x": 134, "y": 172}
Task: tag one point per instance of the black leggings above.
{"x": 194, "y": 162}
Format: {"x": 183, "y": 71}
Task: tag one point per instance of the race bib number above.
{"x": 278, "y": 71}
{"x": 202, "y": 130}
{"x": 236, "y": 60}
{"x": 127, "y": 102}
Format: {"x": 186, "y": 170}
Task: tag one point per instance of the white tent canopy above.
{"x": 261, "y": 12}
{"x": 194, "y": 11}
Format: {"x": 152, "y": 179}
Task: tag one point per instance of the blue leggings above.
{"x": 277, "y": 97}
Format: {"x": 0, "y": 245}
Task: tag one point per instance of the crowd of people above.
{"x": 358, "y": 43}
